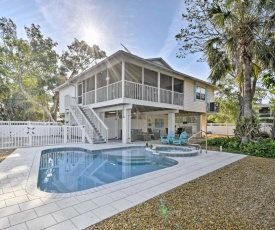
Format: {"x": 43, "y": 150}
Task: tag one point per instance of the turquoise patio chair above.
{"x": 181, "y": 140}
{"x": 169, "y": 138}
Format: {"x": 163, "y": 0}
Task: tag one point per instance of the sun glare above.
{"x": 92, "y": 36}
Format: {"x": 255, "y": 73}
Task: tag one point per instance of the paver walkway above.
{"x": 23, "y": 206}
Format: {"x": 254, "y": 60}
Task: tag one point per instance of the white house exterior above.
{"x": 126, "y": 92}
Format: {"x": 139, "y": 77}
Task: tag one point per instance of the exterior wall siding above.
{"x": 190, "y": 103}
{"x": 67, "y": 90}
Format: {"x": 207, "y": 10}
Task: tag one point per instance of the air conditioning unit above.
{"x": 213, "y": 107}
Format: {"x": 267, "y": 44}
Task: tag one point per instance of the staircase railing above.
{"x": 98, "y": 123}
{"x": 80, "y": 118}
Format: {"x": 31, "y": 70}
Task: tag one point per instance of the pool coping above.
{"x": 23, "y": 206}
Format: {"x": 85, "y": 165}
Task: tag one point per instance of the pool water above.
{"x": 64, "y": 170}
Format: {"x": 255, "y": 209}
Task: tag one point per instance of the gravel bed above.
{"x": 238, "y": 196}
{"x": 4, "y": 153}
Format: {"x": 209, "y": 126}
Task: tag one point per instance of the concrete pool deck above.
{"x": 23, "y": 206}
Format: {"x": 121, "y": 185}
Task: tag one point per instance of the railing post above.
{"x": 83, "y": 134}
{"x": 96, "y": 88}
{"x": 123, "y": 79}
{"x": 172, "y": 94}
{"x": 107, "y": 86}
{"x": 65, "y": 129}
{"x": 30, "y": 135}
{"x": 158, "y": 87}
{"x": 142, "y": 83}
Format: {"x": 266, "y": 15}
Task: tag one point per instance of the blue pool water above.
{"x": 64, "y": 170}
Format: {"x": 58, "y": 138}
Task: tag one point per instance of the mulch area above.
{"x": 238, "y": 196}
{"x": 4, "y": 153}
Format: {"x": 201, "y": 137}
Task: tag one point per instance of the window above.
{"x": 200, "y": 93}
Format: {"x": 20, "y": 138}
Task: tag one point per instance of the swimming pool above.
{"x": 64, "y": 170}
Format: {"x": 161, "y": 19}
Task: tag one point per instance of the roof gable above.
{"x": 159, "y": 61}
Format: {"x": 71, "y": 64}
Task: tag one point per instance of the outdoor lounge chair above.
{"x": 181, "y": 140}
{"x": 169, "y": 138}
{"x": 155, "y": 134}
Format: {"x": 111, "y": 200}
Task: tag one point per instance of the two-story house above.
{"x": 126, "y": 92}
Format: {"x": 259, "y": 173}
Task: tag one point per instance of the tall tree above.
{"x": 29, "y": 65}
{"x": 79, "y": 57}
{"x": 33, "y": 68}
{"x": 238, "y": 30}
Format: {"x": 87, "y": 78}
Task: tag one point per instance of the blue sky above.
{"x": 146, "y": 27}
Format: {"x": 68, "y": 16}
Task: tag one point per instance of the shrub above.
{"x": 263, "y": 148}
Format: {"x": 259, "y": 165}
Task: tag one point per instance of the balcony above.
{"x": 265, "y": 115}
{"x": 134, "y": 91}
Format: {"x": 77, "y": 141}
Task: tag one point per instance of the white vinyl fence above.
{"x": 228, "y": 128}
{"x": 20, "y": 134}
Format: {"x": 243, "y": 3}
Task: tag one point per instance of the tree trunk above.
{"x": 247, "y": 97}
{"x": 55, "y": 106}
{"x": 240, "y": 109}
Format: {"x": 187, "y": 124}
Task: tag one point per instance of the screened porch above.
{"x": 128, "y": 80}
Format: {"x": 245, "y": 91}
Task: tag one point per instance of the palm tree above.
{"x": 236, "y": 36}
{"x": 247, "y": 38}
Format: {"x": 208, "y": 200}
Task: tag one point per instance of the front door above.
{"x": 79, "y": 93}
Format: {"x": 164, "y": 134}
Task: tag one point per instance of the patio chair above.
{"x": 155, "y": 134}
{"x": 181, "y": 140}
{"x": 169, "y": 138}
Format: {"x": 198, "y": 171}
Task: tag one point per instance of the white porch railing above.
{"x": 178, "y": 98}
{"x": 166, "y": 96}
{"x": 14, "y": 136}
{"x": 141, "y": 92}
{"x": 115, "y": 90}
{"x": 109, "y": 92}
{"x": 150, "y": 93}
{"x": 98, "y": 123}
{"x": 102, "y": 94}
{"x": 133, "y": 90}
{"x": 80, "y": 118}
{"x": 89, "y": 97}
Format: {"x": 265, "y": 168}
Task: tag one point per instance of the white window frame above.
{"x": 199, "y": 93}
